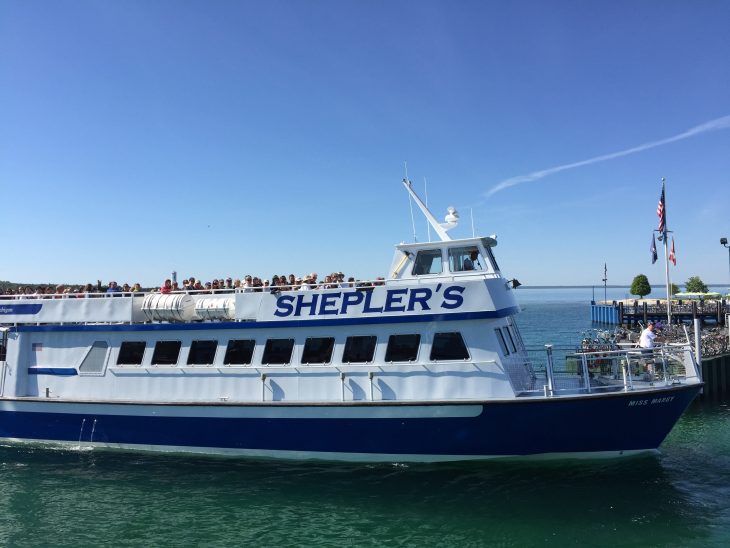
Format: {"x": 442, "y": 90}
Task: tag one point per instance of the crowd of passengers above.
{"x": 61, "y": 289}
{"x": 248, "y": 284}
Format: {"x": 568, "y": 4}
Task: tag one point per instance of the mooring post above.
{"x": 621, "y": 313}
{"x": 549, "y": 369}
{"x": 698, "y": 346}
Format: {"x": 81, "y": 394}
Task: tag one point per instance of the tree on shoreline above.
{"x": 640, "y": 286}
{"x": 695, "y": 285}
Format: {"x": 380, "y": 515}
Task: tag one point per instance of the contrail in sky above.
{"x": 712, "y": 125}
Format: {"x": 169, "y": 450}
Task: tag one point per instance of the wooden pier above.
{"x": 716, "y": 374}
{"x": 632, "y": 312}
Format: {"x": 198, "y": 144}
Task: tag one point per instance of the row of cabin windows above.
{"x": 317, "y": 350}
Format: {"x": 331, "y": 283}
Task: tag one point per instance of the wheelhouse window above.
{"x": 318, "y": 350}
{"x": 277, "y": 351}
{"x": 428, "y": 261}
{"x": 502, "y": 343}
{"x": 464, "y": 259}
{"x": 131, "y": 353}
{"x": 202, "y": 352}
{"x": 359, "y": 349}
{"x": 490, "y": 254}
{"x": 402, "y": 348}
{"x": 239, "y": 352}
{"x": 448, "y": 346}
{"x": 166, "y": 352}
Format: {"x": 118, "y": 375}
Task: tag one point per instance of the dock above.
{"x": 632, "y": 312}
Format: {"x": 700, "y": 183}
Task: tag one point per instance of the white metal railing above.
{"x": 319, "y": 286}
{"x": 611, "y": 370}
{"x": 3, "y": 358}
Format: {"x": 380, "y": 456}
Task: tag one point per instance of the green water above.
{"x": 680, "y": 497}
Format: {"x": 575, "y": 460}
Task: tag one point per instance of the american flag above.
{"x": 662, "y": 212}
{"x": 672, "y": 256}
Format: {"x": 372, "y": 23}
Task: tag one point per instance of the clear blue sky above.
{"x": 231, "y": 137}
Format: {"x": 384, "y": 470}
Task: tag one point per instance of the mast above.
{"x": 452, "y": 218}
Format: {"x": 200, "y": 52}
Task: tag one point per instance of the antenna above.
{"x": 428, "y": 225}
{"x": 410, "y": 202}
{"x": 473, "y": 234}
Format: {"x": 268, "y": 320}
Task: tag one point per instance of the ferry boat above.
{"x": 425, "y": 365}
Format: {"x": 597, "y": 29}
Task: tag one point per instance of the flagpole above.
{"x": 666, "y": 257}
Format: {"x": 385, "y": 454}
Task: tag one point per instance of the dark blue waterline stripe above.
{"x": 484, "y": 434}
{"x": 62, "y": 371}
{"x": 484, "y": 314}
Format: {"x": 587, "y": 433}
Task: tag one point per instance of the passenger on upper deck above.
{"x": 113, "y": 288}
{"x": 167, "y": 287}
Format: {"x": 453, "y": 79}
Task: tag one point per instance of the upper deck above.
{"x": 458, "y": 277}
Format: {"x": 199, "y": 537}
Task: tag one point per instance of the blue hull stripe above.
{"x": 62, "y": 371}
{"x": 576, "y": 425}
{"x": 17, "y": 309}
{"x": 501, "y": 313}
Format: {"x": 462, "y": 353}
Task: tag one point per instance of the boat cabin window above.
{"x": 515, "y": 334}
{"x": 463, "y": 259}
{"x": 402, "y": 348}
{"x": 428, "y": 261}
{"x": 202, "y": 352}
{"x": 492, "y": 259}
{"x": 239, "y": 352}
{"x": 95, "y": 359}
{"x": 318, "y": 350}
{"x": 166, "y": 352}
{"x": 359, "y": 349}
{"x": 277, "y": 351}
{"x": 448, "y": 346}
{"x": 510, "y": 339}
{"x": 502, "y": 342}
{"x": 131, "y": 353}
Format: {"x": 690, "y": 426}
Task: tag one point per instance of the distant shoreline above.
{"x": 599, "y": 286}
